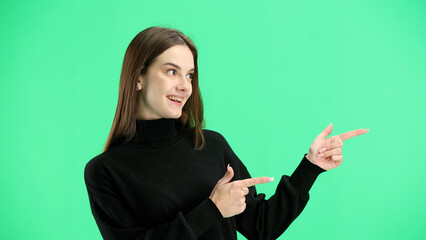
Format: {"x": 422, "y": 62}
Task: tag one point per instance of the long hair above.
{"x": 142, "y": 50}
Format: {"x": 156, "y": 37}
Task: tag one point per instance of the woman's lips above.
{"x": 177, "y": 100}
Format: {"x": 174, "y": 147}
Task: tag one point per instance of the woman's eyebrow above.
{"x": 176, "y": 66}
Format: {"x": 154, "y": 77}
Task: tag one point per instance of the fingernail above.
{"x": 227, "y": 167}
{"x": 368, "y": 130}
{"x": 322, "y": 150}
{"x": 321, "y": 155}
{"x": 271, "y": 179}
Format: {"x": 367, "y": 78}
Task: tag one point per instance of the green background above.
{"x": 273, "y": 75}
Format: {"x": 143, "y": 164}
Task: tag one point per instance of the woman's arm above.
{"x": 115, "y": 221}
{"x": 268, "y": 219}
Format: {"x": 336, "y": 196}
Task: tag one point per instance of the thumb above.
{"x": 228, "y": 176}
{"x": 326, "y": 131}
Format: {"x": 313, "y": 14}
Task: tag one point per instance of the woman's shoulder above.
{"x": 215, "y": 138}
{"x": 96, "y": 162}
{"x": 213, "y": 135}
{"x": 101, "y": 162}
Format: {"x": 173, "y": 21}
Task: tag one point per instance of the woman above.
{"x": 161, "y": 176}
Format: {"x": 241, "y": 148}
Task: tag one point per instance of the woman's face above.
{"x": 166, "y": 85}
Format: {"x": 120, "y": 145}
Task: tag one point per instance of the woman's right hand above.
{"x": 230, "y": 197}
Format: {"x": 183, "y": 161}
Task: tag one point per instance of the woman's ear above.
{"x": 140, "y": 82}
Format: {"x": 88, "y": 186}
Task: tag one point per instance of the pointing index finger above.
{"x": 253, "y": 181}
{"x": 351, "y": 134}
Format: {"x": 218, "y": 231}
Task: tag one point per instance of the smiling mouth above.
{"x": 175, "y": 99}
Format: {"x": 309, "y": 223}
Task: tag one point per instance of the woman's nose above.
{"x": 184, "y": 84}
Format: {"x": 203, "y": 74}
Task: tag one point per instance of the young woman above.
{"x": 161, "y": 176}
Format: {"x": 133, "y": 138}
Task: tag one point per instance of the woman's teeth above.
{"x": 175, "y": 98}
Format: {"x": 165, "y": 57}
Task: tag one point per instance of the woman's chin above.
{"x": 175, "y": 115}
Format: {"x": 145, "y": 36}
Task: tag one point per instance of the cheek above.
{"x": 159, "y": 86}
{"x": 190, "y": 91}
{"x": 152, "y": 95}
{"x": 165, "y": 85}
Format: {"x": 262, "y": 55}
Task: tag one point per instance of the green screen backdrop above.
{"x": 273, "y": 75}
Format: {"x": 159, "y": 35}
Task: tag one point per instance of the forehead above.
{"x": 180, "y": 55}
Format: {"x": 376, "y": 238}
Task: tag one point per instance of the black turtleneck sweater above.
{"x": 157, "y": 187}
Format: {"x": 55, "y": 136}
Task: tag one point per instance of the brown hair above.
{"x": 142, "y": 50}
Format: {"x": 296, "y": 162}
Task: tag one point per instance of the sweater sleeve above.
{"x": 115, "y": 221}
{"x": 268, "y": 219}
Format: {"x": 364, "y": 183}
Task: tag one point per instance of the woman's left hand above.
{"x": 327, "y": 153}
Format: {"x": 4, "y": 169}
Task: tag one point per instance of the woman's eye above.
{"x": 190, "y": 76}
{"x": 172, "y": 71}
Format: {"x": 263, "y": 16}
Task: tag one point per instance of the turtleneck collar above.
{"x": 156, "y": 132}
